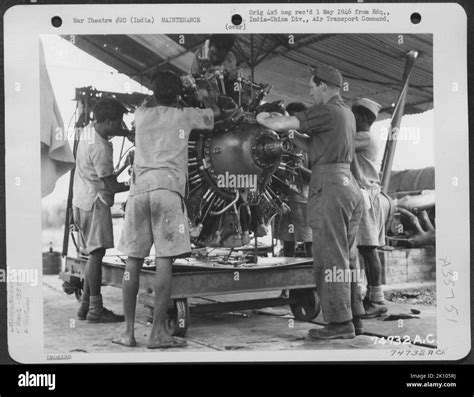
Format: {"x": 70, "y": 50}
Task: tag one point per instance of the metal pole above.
{"x": 391, "y": 144}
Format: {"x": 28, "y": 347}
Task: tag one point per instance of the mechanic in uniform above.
{"x": 155, "y": 213}
{"x": 371, "y": 232}
{"x": 335, "y": 201}
{"x": 93, "y": 194}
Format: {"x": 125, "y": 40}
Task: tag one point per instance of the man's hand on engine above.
{"x": 208, "y": 101}
{"x": 425, "y": 232}
{"x": 261, "y": 117}
{"x": 278, "y": 122}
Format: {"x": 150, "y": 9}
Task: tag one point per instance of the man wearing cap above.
{"x": 371, "y": 232}
{"x": 335, "y": 201}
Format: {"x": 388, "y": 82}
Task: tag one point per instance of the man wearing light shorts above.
{"x": 93, "y": 195}
{"x": 371, "y": 233}
{"x": 155, "y": 212}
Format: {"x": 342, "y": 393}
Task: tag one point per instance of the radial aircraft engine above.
{"x": 238, "y": 172}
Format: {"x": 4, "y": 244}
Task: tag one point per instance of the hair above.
{"x": 364, "y": 112}
{"x": 167, "y": 86}
{"x": 108, "y": 109}
{"x": 222, "y": 41}
{"x": 295, "y": 107}
{"x": 318, "y": 82}
{"x": 276, "y": 106}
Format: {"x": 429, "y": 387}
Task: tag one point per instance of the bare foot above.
{"x": 125, "y": 340}
{"x": 167, "y": 342}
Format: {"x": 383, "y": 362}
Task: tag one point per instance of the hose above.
{"x": 237, "y": 196}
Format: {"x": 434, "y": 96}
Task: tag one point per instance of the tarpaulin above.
{"x": 56, "y": 153}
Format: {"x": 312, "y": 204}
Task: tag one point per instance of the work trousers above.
{"x": 335, "y": 208}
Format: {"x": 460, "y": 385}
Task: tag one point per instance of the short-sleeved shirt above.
{"x": 364, "y": 166}
{"x": 161, "y": 146}
{"x": 94, "y": 160}
{"x": 332, "y": 127}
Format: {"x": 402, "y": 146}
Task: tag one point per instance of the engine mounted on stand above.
{"x": 236, "y": 173}
{"x": 233, "y": 189}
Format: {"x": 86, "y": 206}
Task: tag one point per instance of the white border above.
{"x": 447, "y": 22}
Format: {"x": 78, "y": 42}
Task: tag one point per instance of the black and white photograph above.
{"x": 261, "y": 183}
{"x": 238, "y": 192}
